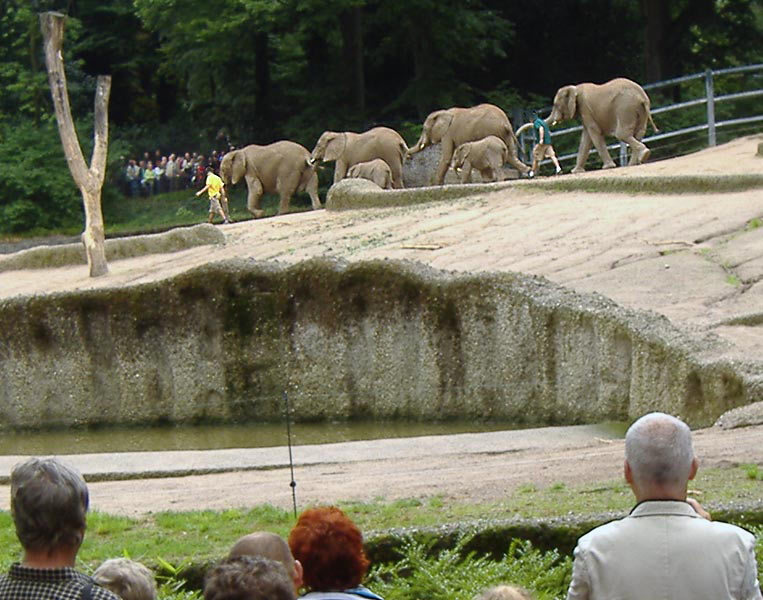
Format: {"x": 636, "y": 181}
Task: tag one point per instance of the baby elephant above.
{"x": 486, "y": 155}
{"x": 376, "y": 170}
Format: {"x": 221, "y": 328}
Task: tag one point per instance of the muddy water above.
{"x": 259, "y": 435}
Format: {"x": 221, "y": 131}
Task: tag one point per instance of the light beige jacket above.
{"x": 665, "y": 551}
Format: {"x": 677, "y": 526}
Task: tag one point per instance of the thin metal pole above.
{"x": 293, "y": 483}
{"x": 710, "y": 107}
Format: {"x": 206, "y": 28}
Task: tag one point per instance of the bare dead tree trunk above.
{"x": 89, "y": 180}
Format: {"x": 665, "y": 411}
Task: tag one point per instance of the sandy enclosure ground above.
{"x": 443, "y": 466}
{"x": 692, "y": 258}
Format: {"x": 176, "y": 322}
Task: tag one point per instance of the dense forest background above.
{"x": 192, "y": 75}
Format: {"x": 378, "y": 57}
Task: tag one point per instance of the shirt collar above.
{"x": 649, "y": 508}
{"x": 57, "y": 574}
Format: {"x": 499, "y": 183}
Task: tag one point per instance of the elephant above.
{"x": 455, "y": 126}
{"x": 619, "y": 107}
{"x": 486, "y": 155}
{"x": 348, "y": 148}
{"x": 375, "y": 170}
{"x": 281, "y": 167}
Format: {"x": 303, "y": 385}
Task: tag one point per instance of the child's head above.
{"x": 128, "y": 579}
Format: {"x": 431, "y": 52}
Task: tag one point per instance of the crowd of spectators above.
{"x": 160, "y": 173}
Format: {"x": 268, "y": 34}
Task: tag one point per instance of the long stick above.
{"x": 293, "y": 483}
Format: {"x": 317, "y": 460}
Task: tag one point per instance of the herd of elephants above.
{"x": 480, "y": 138}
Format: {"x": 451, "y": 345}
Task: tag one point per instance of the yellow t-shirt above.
{"x": 215, "y": 185}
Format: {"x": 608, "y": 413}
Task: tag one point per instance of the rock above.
{"x": 752, "y": 414}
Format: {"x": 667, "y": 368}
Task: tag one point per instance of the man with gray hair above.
{"x": 667, "y": 547}
{"x": 49, "y": 501}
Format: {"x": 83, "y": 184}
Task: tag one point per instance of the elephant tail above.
{"x": 403, "y": 147}
{"x": 651, "y": 120}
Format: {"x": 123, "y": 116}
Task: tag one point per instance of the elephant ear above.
{"x": 335, "y": 147}
{"x": 238, "y": 166}
{"x": 572, "y": 101}
{"x": 440, "y": 124}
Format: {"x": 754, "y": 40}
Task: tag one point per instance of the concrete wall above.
{"x": 377, "y": 339}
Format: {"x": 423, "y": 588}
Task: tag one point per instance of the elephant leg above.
{"x": 601, "y": 147}
{"x": 397, "y": 176}
{"x": 639, "y": 152}
{"x": 340, "y": 170}
{"x": 254, "y": 198}
{"x": 311, "y": 187}
{"x": 583, "y": 150}
{"x": 442, "y": 168}
{"x": 518, "y": 164}
{"x": 487, "y": 174}
{"x": 466, "y": 172}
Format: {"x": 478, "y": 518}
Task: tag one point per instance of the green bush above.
{"x": 454, "y": 574}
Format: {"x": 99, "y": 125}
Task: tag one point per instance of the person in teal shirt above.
{"x": 543, "y": 149}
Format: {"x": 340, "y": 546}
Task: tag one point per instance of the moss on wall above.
{"x": 379, "y": 339}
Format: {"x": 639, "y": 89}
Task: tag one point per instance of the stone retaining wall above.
{"x": 379, "y": 339}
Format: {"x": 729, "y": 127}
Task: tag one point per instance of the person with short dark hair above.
{"x": 667, "y": 547}
{"x": 128, "y": 579}
{"x": 218, "y": 199}
{"x": 330, "y": 548}
{"x": 248, "y": 578}
{"x": 49, "y": 501}
{"x": 544, "y": 148}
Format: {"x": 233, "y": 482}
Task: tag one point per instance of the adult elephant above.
{"x": 282, "y": 168}
{"x": 348, "y": 148}
{"x": 455, "y": 126}
{"x": 619, "y": 107}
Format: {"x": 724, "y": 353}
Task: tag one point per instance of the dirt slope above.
{"x": 689, "y": 257}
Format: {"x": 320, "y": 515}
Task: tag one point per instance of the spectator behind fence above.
{"x": 248, "y": 578}
{"x": 330, "y": 548}
{"x": 667, "y": 547}
{"x": 128, "y": 579}
{"x": 49, "y": 502}
{"x": 272, "y": 546}
{"x": 504, "y": 592}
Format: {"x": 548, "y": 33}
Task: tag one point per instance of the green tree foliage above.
{"x": 36, "y": 188}
{"x": 193, "y": 74}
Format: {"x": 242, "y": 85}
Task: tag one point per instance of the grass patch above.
{"x": 732, "y": 279}
{"x": 174, "y": 209}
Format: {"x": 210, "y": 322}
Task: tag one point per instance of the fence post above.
{"x": 710, "y": 107}
{"x": 623, "y": 153}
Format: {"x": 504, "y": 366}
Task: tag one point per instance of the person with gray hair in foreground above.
{"x": 667, "y": 547}
{"x": 128, "y": 579}
{"x": 49, "y": 501}
{"x": 248, "y": 578}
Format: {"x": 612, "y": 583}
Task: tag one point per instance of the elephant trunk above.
{"x": 419, "y": 146}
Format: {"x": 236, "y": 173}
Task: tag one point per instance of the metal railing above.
{"x": 710, "y": 124}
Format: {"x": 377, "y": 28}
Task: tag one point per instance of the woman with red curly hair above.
{"x": 330, "y": 548}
